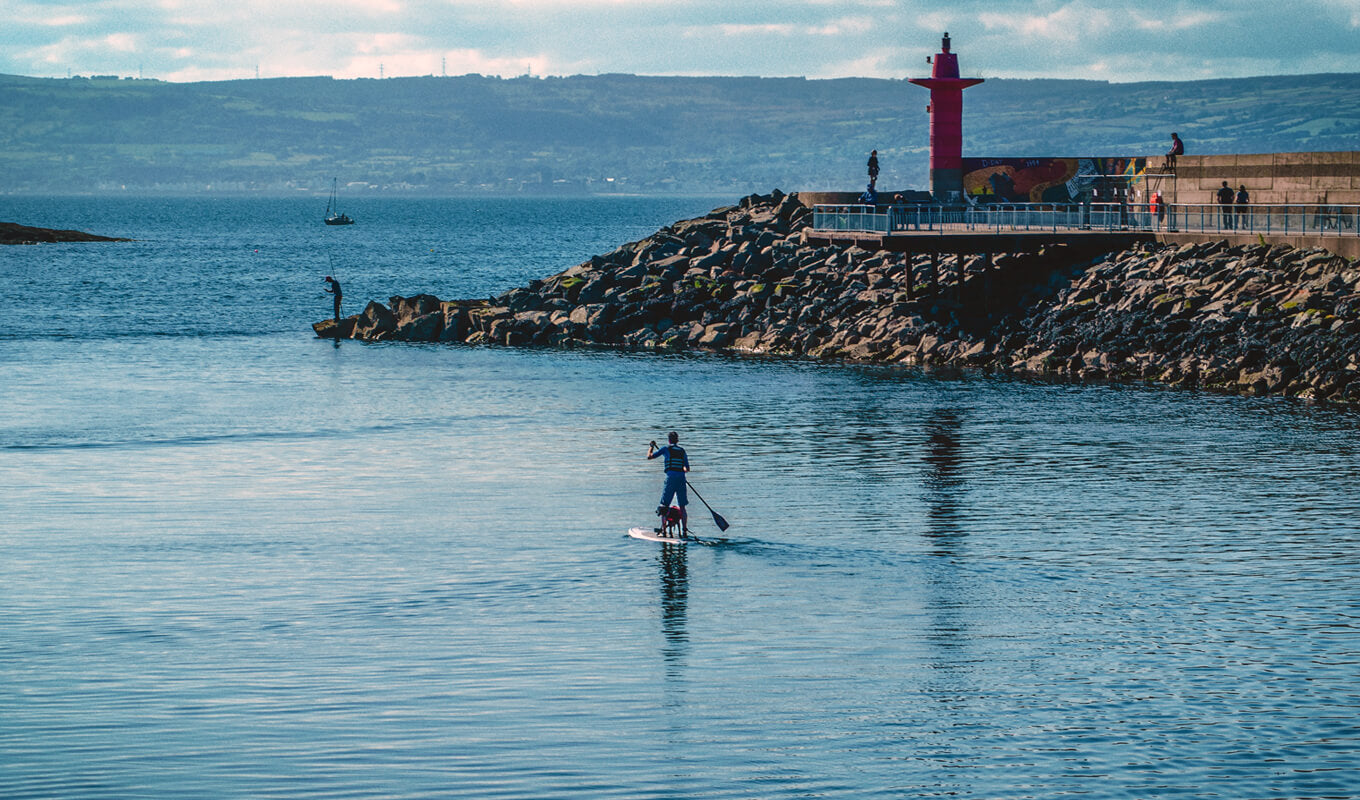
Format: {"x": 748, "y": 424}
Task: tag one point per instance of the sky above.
{"x": 193, "y": 40}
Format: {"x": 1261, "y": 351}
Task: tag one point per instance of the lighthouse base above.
{"x": 946, "y": 186}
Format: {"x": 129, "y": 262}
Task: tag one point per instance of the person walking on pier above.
{"x": 1243, "y": 213}
{"x": 334, "y": 289}
{"x": 1225, "y": 204}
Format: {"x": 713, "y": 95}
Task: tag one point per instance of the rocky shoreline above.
{"x": 1261, "y": 320}
{"x": 14, "y": 233}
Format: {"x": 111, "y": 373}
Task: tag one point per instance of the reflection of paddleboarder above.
{"x": 676, "y": 465}
{"x": 335, "y": 290}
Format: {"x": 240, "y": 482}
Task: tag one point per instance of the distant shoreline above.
{"x": 14, "y": 233}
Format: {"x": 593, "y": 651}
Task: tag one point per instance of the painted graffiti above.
{"x": 1050, "y": 180}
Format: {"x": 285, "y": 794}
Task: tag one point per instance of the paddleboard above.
{"x": 649, "y": 535}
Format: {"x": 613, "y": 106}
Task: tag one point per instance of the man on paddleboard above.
{"x": 676, "y": 464}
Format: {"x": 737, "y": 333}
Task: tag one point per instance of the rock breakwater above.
{"x": 13, "y": 233}
{"x": 1251, "y": 319}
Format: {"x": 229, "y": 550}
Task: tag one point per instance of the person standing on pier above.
{"x": 334, "y": 289}
{"x": 873, "y": 167}
{"x": 1225, "y": 201}
{"x": 1243, "y": 213}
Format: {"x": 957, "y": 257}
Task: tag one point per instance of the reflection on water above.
{"x": 944, "y": 490}
{"x": 943, "y": 479}
{"x": 674, "y": 581}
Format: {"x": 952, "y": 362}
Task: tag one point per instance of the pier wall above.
{"x": 1271, "y": 178}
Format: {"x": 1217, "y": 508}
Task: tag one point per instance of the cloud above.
{"x": 849, "y": 26}
{"x": 1121, "y": 40}
{"x": 1179, "y": 22}
{"x": 64, "y": 21}
{"x": 1067, "y": 24}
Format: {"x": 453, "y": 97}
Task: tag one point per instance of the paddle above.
{"x": 717, "y": 518}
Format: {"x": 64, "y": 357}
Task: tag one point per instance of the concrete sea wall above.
{"x": 1248, "y": 318}
{"x": 1271, "y": 178}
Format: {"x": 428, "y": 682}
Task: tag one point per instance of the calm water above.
{"x": 239, "y": 562}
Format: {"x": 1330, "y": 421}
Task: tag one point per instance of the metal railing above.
{"x": 1291, "y": 219}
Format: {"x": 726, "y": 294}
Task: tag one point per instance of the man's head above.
{"x": 329, "y": 278}
{"x": 673, "y": 437}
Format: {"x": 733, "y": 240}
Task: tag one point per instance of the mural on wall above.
{"x": 1050, "y": 180}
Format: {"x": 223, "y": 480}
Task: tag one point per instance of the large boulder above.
{"x": 424, "y": 328}
{"x": 406, "y": 309}
{"x": 717, "y": 335}
{"x": 330, "y": 329}
{"x": 455, "y": 326}
{"x": 481, "y": 319}
{"x": 376, "y": 322}
{"x": 670, "y": 269}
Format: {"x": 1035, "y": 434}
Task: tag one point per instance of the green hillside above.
{"x": 626, "y": 133}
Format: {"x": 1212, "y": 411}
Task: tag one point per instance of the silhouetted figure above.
{"x": 873, "y": 166}
{"x": 1225, "y": 201}
{"x": 897, "y": 213}
{"x": 334, "y": 289}
{"x": 1243, "y": 200}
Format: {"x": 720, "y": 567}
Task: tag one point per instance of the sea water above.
{"x": 237, "y": 561}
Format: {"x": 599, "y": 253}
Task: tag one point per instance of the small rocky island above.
{"x": 13, "y": 233}
{"x": 1259, "y": 319}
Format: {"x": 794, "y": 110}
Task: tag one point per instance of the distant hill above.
{"x": 624, "y": 133}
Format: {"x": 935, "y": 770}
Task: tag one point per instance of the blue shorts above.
{"x": 675, "y": 487}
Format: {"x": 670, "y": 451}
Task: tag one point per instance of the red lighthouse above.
{"x": 946, "y": 123}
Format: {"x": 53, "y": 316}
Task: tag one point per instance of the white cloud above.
{"x": 64, "y": 20}
{"x": 1177, "y": 22}
{"x": 1126, "y": 40}
{"x": 1070, "y": 23}
{"x": 881, "y": 63}
{"x": 853, "y": 26}
{"x": 847, "y": 26}
{"x": 773, "y": 29}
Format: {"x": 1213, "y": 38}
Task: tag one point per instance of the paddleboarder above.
{"x": 676, "y": 463}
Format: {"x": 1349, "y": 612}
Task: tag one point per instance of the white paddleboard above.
{"x": 647, "y": 534}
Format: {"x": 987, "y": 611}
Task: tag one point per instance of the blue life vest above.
{"x": 675, "y": 458}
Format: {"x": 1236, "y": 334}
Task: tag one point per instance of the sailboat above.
{"x": 333, "y": 215}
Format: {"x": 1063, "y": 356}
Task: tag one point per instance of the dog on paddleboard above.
{"x": 671, "y": 524}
